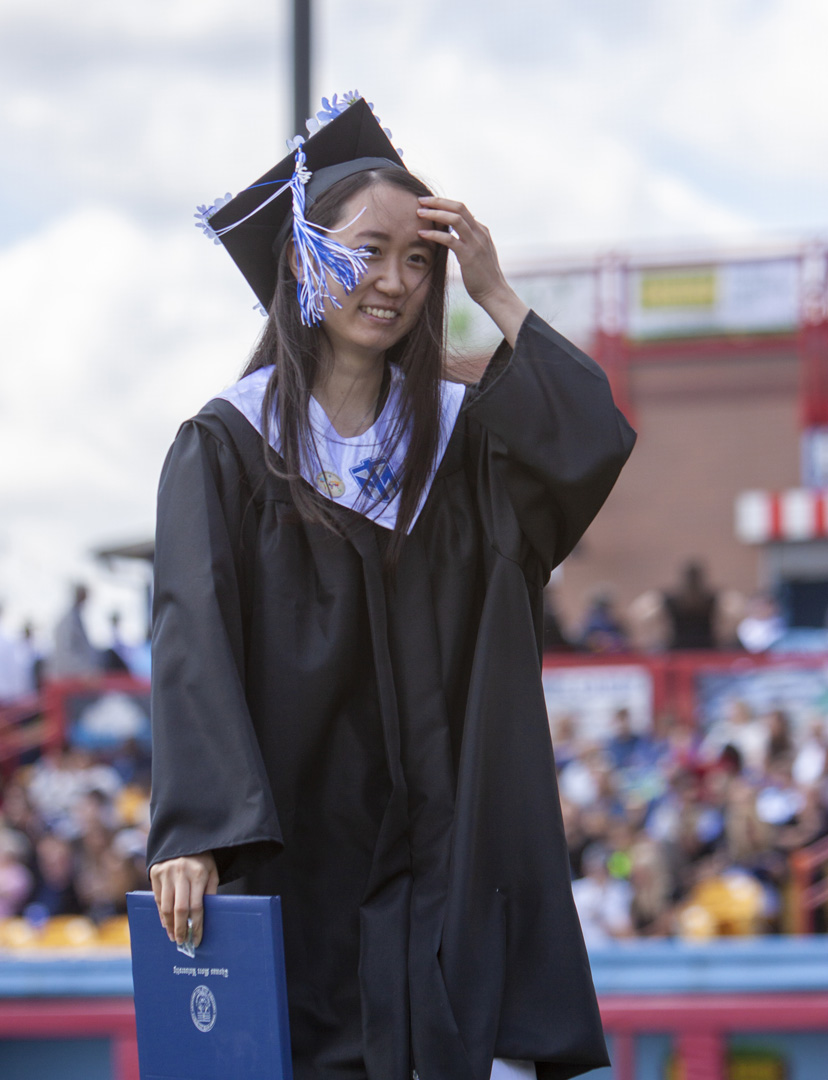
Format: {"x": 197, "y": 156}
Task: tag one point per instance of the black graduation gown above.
{"x": 379, "y": 755}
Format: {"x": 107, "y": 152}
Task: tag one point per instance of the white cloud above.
{"x": 115, "y": 336}
{"x": 747, "y": 90}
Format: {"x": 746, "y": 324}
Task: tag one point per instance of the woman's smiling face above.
{"x": 386, "y": 303}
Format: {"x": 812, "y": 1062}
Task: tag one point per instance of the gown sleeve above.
{"x": 545, "y": 431}
{"x": 209, "y": 786}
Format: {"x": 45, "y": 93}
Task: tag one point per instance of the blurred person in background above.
{"x": 73, "y": 655}
{"x": 652, "y": 887}
{"x": 93, "y": 809}
{"x": 604, "y": 903}
{"x": 32, "y": 658}
{"x": 581, "y": 778}
{"x": 584, "y": 827}
{"x": 54, "y": 892}
{"x": 811, "y": 757}
{"x": 9, "y": 690}
{"x": 702, "y": 831}
{"x": 746, "y": 733}
{"x": 103, "y": 873}
{"x": 691, "y": 610}
{"x": 678, "y": 745}
{"x": 780, "y": 743}
{"x": 808, "y": 826}
{"x": 16, "y": 879}
{"x": 665, "y": 815}
{"x": 18, "y": 813}
{"x": 130, "y": 846}
{"x": 132, "y": 762}
{"x": 602, "y": 630}
{"x": 626, "y": 748}
{"x": 746, "y": 836}
{"x": 114, "y": 657}
{"x": 763, "y": 624}
{"x": 17, "y": 664}
{"x": 566, "y": 744}
{"x": 779, "y": 801}
{"x": 595, "y": 821}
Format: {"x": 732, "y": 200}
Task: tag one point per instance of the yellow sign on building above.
{"x": 686, "y": 288}
{"x": 742, "y": 1065}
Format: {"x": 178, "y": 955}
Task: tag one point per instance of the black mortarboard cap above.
{"x": 351, "y": 142}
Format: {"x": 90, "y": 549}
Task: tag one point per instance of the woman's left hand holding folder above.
{"x": 179, "y": 886}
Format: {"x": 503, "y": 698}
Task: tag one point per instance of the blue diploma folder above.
{"x": 222, "y": 1015}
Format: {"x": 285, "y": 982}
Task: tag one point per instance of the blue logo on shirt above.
{"x": 376, "y": 479}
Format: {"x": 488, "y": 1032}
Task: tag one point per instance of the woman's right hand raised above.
{"x": 179, "y": 886}
{"x": 472, "y": 243}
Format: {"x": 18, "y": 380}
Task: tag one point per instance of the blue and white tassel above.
{"x": 319, "y": 256}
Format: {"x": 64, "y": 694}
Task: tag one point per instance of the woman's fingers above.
{"x": 440, "y": 205}
{"x": 179, "y": 886}
{"x": 438, "y": 236}
{"x": 181, "y": 906}
{"x": 203, "y": 883}
{"x": 446, "y": 212}
{"x": 447, "y": 217}
{"x": 166, "y": 904}
{"x": 155, "y": 881}
{"x": 471, "y": 242}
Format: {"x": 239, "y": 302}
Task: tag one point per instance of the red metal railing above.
{"x": 700, "y": 1025}
{"x": 39, "y": 721}
{"x": 675, "y": 674}
{"x": 23, "y": 726}
{"x": 808, "y": 894}
{"x": 77, "y": 1018}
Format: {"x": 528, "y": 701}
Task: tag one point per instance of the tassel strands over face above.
{"x": 318, "y": 255}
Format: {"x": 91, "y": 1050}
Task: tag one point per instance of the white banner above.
{"x": 592, "y": 695}
{"x": 565, "y": 299}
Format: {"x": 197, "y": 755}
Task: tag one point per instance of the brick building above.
{"x": 721, "y": 364}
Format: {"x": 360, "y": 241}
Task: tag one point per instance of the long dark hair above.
{"x": 300, "y": 355}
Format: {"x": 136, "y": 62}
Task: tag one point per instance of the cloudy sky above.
{"x": 568, "y": 126}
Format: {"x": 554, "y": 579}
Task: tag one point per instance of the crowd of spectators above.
{"x": 73, "y": 825}
{"x": 669, "y": 833}
{"x": 73, "y": 835}
{"x": 674, "y": 830}
{"x": 682, "y": 833}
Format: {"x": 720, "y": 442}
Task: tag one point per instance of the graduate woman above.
{"x": 350, "y": 561}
